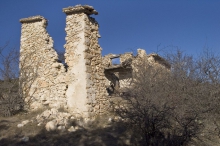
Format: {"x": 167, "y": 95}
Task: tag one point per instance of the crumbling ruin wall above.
{"x": 123, "y": 73}
{"x": 42, "y": 77}
{"x": 118, "y": 76}
{"x": 126, "y": 56}
{"x": 45, "y": 81}
{"x": 80, "y": 85}
{"x": 86, "y": 92}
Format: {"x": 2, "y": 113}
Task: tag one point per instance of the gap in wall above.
{"x": 56, "y": 29}
{"x": 115, "y": 61}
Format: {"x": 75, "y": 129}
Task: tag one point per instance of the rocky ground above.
{"x": 42, "y": 128}
{"x": 56, "y": 127}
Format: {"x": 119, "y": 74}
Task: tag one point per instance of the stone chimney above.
{"x": 86, "y": 93}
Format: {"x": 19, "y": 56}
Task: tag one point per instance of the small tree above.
{"x": 9, "y": 63}
{"x": 10, "y": 100}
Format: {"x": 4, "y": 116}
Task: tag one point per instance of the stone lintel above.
{"x": 128, "y": 53}
{"x": 89, "y": 10}
{"x": 33, "y": 19}
{"x": 115, "y": 56}
{"x": 119, "y": 66}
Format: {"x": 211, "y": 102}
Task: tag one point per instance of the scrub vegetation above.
{"x": 162, "y": 107}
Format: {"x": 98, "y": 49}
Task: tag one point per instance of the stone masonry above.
{"x": 42, "y": 76}
{"x": 81, "y": 85}
{"x": 45, "y": 81}
{"x": 86, "y": 91}
{"x": 119, "y": 76}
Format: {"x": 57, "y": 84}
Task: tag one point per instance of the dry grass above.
{"x": 98, "y": 132}
{"x": 9, "y": 129}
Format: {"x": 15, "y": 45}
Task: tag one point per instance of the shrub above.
{"x": 170, "y": 107}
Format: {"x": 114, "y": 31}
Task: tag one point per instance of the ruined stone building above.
{"x": 80, "y": 85}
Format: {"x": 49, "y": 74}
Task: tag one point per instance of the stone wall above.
{"x": 42, "y": 76}
{"x": 125, "y": 76}
{"x": 79, "y": 86}
{"x": 126, "y": 56}
{"x": 86, "y": 91}
{"x": 124, "y": 71}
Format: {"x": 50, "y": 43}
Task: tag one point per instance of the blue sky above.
{"x": 125, "y": 25}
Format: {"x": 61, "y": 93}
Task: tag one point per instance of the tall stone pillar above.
{"x": 42, "y": 77}
{"x": 86, "y": 88}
